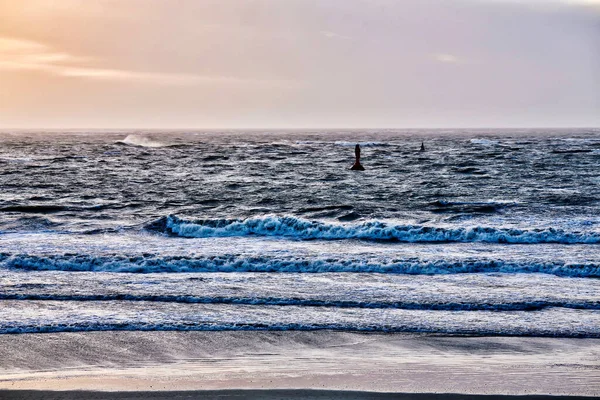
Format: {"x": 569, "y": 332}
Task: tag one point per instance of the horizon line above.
{"x": 4, "y": 129}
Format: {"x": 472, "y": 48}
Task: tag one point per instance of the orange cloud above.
{"x": 20, "y": 54}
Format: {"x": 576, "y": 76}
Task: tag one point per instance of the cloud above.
{"x": 447, "y": 58}
{"x": 11, "y": 45}
{"x": 163, "y": 78}
{"x": 333, "y": 35}
{"x": 26, "y": 55}
{"x": 595, "y": 4}
{"x": 545, "y": 2}
{"x": 20, "y": 54}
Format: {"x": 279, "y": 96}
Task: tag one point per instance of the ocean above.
{"x": 487, "y": 232}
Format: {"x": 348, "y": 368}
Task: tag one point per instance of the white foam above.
{"x": 141, "y": 141}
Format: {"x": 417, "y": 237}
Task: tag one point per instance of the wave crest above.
{"x": 302, "y": 229}
{"x": 234, "y": 263}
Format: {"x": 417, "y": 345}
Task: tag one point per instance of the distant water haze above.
{"x": 298, "y": 63}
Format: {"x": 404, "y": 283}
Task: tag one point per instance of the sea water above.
{"x": 487, "y": 232}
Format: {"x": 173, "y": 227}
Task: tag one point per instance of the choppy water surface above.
{"x": 486, "y": 232}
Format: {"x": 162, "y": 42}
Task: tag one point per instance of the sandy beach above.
{"x": 167, "y": 363}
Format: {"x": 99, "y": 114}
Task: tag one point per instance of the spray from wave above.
{"x": 140, "y": 141}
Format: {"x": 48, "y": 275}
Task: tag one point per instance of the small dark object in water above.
{"x": 422, "y": 147}
{"x": 357, "y": 165}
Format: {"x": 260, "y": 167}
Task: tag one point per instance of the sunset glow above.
{"x": 270, "y": 63}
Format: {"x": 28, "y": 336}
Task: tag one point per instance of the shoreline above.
{"x": 138, "y": 362}
{"x": 272, "y": 394}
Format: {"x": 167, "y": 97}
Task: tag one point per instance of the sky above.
{"x": 268, "y": 64}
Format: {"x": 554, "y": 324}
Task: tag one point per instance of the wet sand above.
{"x": 262, "y": 394}
{"x": 156, "y": 365}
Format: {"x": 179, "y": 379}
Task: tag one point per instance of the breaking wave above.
{"x": 140, "y": 141}
{"x": 234, "y": 263}
{"x": 302, "y": 229}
